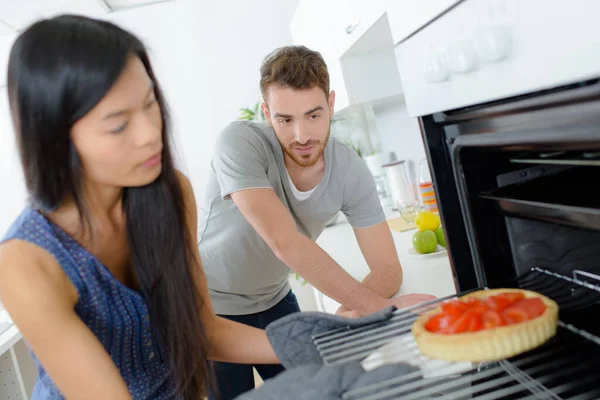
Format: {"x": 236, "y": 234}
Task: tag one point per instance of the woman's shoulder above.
{"x": 26, "y": 259}
{"x": 26, "y": 268}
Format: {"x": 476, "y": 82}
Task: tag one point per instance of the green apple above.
{"x": 424, "y": 242}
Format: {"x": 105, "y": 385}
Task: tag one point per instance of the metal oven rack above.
{"x": 566, "y": 367}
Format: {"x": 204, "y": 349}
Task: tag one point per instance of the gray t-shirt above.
{"x": 244, "y": 275}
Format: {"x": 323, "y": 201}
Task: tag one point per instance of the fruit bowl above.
{"x": 439, "y": 250}
{"x": 429, "y": 240}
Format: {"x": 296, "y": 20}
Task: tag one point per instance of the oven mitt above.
{"x": 325, "y": 382}
{"x": 291, "y": 336}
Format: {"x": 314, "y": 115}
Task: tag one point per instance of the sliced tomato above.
{"x": 513, "y": 296}
{"x": 433, "y": 323}
{"x": 461, "y": 325}
{"x": 478, "y": 309}
{"x": 514, "y": 315}
{"x": 498, "y": 303}
{"x": 476, "y": 322}
{"x": 492, "y": 319}
{"x": 447, "y": 321}
{"x": 533, "y": 307}
{"x": 439, "y": 323}
{"x": 473, "y": 302}
{"x": 473, "y": 314}
{"x": 454, "y": 307}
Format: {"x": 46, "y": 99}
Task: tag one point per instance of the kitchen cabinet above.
{"x": 335, "y": 25}
{"x": 408, "y": 16}
{"x": 352, "y": 19}
{"x": 354, "y": 38}
{"x": 311, "y": 26}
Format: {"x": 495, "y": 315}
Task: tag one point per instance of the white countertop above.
{"x": 430, "y": 274}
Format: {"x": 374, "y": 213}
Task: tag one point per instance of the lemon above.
{"x": 424, "y": 242}
{"x": 427, "y": 221}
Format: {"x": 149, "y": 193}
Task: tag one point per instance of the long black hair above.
{"x": 59, "y": 69}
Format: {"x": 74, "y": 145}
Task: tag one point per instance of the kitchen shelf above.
{"x": 566, "y": 197}
{"x": 575, "y": 158}
{"x": 566, "y": 215}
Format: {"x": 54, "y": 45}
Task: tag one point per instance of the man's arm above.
{"x": 274, "y": 223}
{"x": 378, "y": 249}
{"x": 377, "y": 246}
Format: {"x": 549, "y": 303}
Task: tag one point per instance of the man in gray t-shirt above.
{"x": 273, "y": 187}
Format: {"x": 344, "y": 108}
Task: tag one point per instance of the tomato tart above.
{"x": 487, "y": 325}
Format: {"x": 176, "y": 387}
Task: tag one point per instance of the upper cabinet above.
{"x": 312, "y": 27}
{"x": 355, "y": 39}
{"x": 408, "y": 16}
{"x": 351, "y": 20}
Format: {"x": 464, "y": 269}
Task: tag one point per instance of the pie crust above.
{"x": 489, "y": 344}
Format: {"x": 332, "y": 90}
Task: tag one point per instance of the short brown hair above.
{"x": 296, "y": 67}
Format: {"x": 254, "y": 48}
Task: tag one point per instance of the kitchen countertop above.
{"x": 430, "y": 274}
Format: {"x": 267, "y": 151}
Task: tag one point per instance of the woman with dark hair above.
{"x": 101, "y": 272}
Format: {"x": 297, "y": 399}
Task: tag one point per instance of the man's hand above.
{"x": 399, "y": 302}
{"x": 408, "y": 300}
{"x": 347, "y": 313}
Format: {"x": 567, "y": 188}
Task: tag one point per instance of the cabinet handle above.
{"x": 350, "y": 28}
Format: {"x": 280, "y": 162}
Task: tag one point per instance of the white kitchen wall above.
{"x": 12, "y": 187}
{"x": 207, "y": 56}
{"x": 399, "y": 133}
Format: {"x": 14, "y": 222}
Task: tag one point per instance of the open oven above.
{"x": 515, "y": 165}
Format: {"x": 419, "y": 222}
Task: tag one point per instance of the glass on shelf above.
{"x": 402, "y": 190}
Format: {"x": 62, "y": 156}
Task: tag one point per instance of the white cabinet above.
{"x": 352, "y": 19}
{"x": 355, "y": 40}
{"x": 370, "y": 68}
{"x": 312, "y": 27}
{"x": 408, "y": 16}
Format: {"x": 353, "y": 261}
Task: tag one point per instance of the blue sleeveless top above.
{"x": 116, "y": 314}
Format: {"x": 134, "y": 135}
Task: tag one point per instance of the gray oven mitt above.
{"x": 291, "y": 336}
{"x": 326, "y": 382}
{"x": 306, "y": 378}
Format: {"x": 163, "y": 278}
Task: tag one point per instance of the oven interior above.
{"x": 531, "y": 210}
